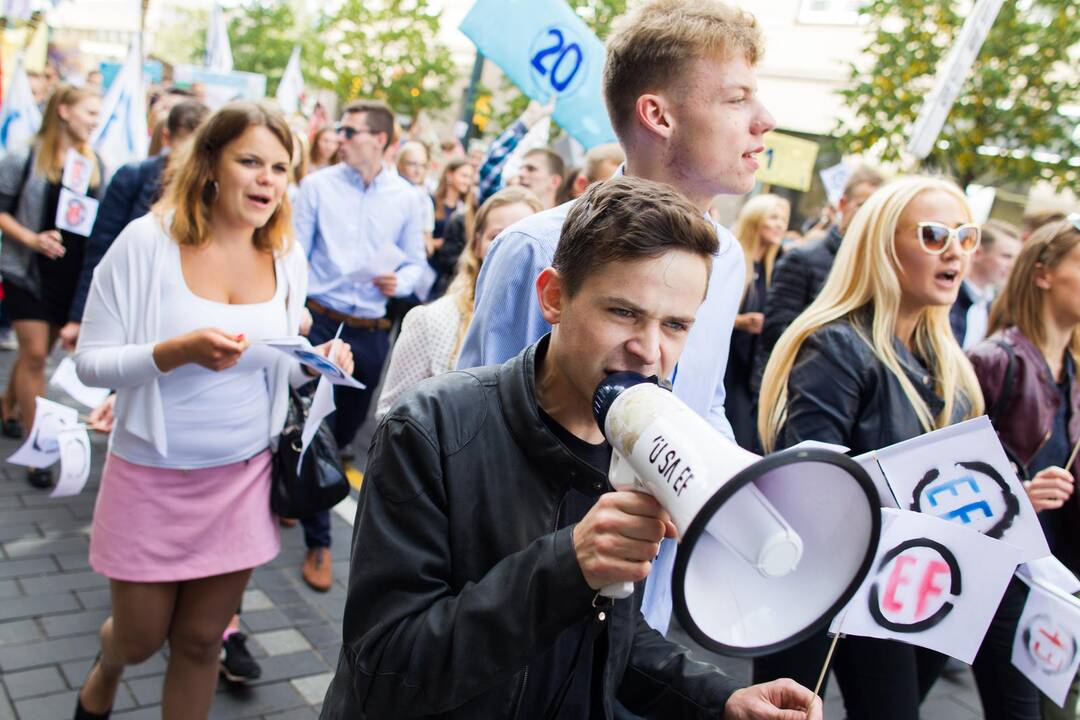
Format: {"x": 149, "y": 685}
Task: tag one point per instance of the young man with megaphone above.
{"x": 485, "y": 529}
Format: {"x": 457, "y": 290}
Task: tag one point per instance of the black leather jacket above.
{"x": 839, "y": 392}
{"x": 458, "y": 580}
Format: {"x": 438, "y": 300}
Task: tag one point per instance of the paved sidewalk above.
{"x": 52, "y": 604}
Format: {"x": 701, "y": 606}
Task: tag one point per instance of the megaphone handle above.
{"x": 618, "y": 591}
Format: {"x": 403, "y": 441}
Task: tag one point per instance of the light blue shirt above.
{"x": 507, "y": 319}
{"x": 342, "y": 223}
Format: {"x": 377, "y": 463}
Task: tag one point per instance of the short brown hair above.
{"x": 189, "y": 192}
{"x": 377, "y": 115}
{"x": 555, "y": 164}
{"x": 628, "y": 218}
{"x": 994, "y": 230}
{"x": 651, "y": 46}
{"x": 185, "y": 116}
{"x": 862, "y": 175}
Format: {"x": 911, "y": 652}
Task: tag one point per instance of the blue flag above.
{"x": 19, "y": 116}
{"x": 545, "y": 49}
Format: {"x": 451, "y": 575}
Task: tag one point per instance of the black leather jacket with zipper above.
{"x": 458, "y": 580}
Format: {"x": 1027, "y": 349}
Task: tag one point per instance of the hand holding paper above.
{"x": 300, "y": 349}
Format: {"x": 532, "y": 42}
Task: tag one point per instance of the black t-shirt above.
{"x": 573, "y": 666}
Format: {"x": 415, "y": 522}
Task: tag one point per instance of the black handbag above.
{"x": 321, "y": 483}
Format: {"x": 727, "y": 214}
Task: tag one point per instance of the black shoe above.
{"x": 40, "y": 478}
{"x": 12, "y": 428}
{"x": 237, "y": 665}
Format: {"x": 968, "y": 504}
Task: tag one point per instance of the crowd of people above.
{"x": 486, "y": 525}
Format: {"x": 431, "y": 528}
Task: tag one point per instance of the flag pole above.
{"x": 31, "y": 29}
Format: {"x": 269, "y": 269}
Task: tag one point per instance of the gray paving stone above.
{"x": 9, "y": 589}
{"x": 62, "y": 705}
{"x": 322, "y": 633}
{"x": 264, "y": 620}
{"x": 47, "y": 652}
{"x": 12, "y": 531}
{"x": 73, "y": 561}
{"x": 152, "y": 712}
{"x": 19, "y": 632}
{"x": 94, "y": 599}
{"x": 282, "y": 642}
{"x": 78, "y": 623}
{"x": 307, "y": 713}
{"x": 330, "y": 653}
{"x": 29, "y": 515}
{"x": 313, "y": 689}
{"x": 254, "y": 702}
{"x": 147, "y": 690}
{"x": 267, "y": 578}
{"x": 7, "y": 710}
{"x": 256, "y": 600}
{"x": 284, "y": 596}
{"x": 20, "y": 607}
{"x": 35, "y": 547}
{"x": 30, "y": 683}
{"x": 76, "y": 671}
{"x": 303, "y": 614}
{"x": 293, "y": 665}
{"x": 24, "y": 568}
{"x": 64, "y": 581}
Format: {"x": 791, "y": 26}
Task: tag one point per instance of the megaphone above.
{"x": 770, "y": 549}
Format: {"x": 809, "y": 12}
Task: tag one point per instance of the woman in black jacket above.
{"x": 870, "y": 363}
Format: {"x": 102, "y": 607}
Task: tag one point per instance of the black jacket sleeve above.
{"x": 415, "y": 645}
{"x": 113, "y": 216}
{"x": 790, "y": 292}
{"x": 662, "y": 680}
{"x": 825, "y": 389}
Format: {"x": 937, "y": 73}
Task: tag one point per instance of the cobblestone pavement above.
{"x": 52, "y": 604}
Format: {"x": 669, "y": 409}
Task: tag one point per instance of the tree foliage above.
{"x": 387, "y": 51}
{"x": 262, "y": 36}
{"x": 1007, "y": 123}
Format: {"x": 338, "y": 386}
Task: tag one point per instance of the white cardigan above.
{"x": 120, "y": 327}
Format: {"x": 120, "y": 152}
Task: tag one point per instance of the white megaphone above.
{"x": 770, "y": 549}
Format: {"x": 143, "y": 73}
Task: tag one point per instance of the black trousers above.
{"x": 1005, "y": 693}
{"x": 369, "y": 348}
{"x": 879, "y": 679}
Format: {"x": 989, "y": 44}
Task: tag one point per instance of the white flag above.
{"x": 290, "y": 90}
{"x": 218, "y": 51}
{"x": 121, "y": 136}
{"x": 1045, "y": 644}
{"x": 19, "y": 116}
{"x": 933, "y": 584}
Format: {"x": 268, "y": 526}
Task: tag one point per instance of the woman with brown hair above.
{"x": 1027, "y": 372}
{"x": 431, "y": 335}
{"x": 39, "y": 262}
{"x": 183, "y": 512}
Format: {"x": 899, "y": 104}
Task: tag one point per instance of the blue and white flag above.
{"x": 121, "y": 137}
{"x": 545, "y": 48}
{"x": 290, "y": 90}
{"x": 19, "y": 115}
{"x": 218, "y": 50}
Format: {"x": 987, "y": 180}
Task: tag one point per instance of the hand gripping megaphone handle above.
{"x": 622, "y": 477}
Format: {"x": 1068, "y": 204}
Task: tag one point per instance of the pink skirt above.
{"x": 163, "y": 525}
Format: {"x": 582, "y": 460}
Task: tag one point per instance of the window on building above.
{"x": 832, "y": 12}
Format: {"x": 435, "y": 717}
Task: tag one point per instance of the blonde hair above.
{"x": 463, "y": 286}
{"x": 866, "y": 274}
{"x": 48, "y": 162}
{"x": 747, "y": 231}
{"x": 651, "y": 46}
{"x": 189, "y": 191}
{"x": 1021, "y": 301}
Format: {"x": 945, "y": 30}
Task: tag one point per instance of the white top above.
{"x": 211, "y": 418}
{"x": 123, "y": 321}
{"x": 424, "y": 348}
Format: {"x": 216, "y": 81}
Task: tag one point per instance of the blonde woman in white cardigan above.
{"x": 431, "y": 335}
{"x": 183, "y": 512}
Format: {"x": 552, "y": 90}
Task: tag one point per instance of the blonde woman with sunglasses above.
{"x": 1027, "y": 370}
{"x": 872, "y": 362}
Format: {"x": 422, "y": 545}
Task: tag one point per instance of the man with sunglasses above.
{"x": 362, "y": 226}
{"x": 990, "y": 266}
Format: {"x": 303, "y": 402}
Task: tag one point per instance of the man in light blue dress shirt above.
{"x": 362, "y": 226}
{"x": 680, "y": 89}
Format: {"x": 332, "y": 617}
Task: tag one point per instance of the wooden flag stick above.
{"x": 824, "y": 669}
{"x": 1072, "y": 455}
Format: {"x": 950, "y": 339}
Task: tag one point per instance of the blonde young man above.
{"x": 680, "y": 90}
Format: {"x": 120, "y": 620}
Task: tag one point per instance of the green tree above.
{"x": 387, "y": 51}
{"x": 181, "y": 38}
{"x": 262, "y": 35}
{"x": 1007, "y": 123}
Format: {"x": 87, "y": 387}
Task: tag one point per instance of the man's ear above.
{"x": 549, "y": 292}
{"x": 580, "y": 183}
{"x": 653, "y": 114}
